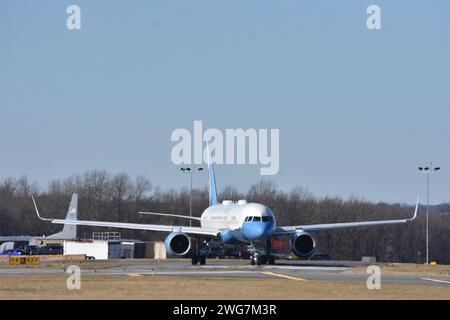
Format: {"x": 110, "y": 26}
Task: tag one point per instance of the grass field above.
{"x": 148, "y": 287}
{"x": 176, "y": 287}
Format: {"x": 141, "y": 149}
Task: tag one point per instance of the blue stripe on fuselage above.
{"x": 251, "y": 231}
{"x": 257, "y": 230}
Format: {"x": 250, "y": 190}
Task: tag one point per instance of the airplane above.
{"x": 234, "y": 223}
{"x": 68, "y": 232}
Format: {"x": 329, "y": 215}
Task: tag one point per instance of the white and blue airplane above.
{"x": 235, "y": 223}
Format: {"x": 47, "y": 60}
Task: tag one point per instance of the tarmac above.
{"x": 283, "y": 269}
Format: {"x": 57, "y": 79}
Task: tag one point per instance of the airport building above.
{"x": 113, "y": 249}
{"x": 102, "y": 246}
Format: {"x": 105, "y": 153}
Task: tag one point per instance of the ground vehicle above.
{"x": 13, "y": 252}
{"x": 211, "y": 252}
{"x": 50, "y": 250}
{"x": 224, "y": 252}
{"x": 29, "y": 249}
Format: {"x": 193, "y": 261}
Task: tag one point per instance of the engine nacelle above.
{"x": 177, "y": 244}
{"x": 303, "y": 244}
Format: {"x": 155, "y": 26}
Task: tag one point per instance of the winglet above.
{"x": 415, "y": 211}
{"x": 37, "y": 211}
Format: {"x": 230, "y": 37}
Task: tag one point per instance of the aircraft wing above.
{"x": 134, "y": 226}
{"x": 170, "y": 215}
{"x": 329, "y": 226}
{"x": 140, "y": 226}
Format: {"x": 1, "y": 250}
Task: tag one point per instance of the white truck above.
{"x": 94, "y": 249}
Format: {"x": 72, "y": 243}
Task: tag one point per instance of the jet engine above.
{"x": 177, "y": 244}
{"x": 303, "y": 244}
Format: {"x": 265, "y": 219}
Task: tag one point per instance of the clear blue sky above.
{"x": 357, "y": 110}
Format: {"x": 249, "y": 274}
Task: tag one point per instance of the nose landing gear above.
{"x": 258, "y": 258}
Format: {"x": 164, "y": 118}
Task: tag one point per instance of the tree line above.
{"x": 118, "y": 197}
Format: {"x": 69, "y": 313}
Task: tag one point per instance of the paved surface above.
{"x": 284, "y": 269}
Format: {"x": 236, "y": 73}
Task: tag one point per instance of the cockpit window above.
{"x": 264, "y": 218}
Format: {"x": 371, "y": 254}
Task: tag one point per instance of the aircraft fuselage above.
{"x": 240, "y": 222}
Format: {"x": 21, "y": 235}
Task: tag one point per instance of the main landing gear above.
{"x": 198, "y": 257}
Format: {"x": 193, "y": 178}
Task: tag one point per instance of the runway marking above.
{"x": 312, "y": 268}
{"x": 283, "y": 276}
{"x": 201, "y": 272}
{"x": 435, "y": 280}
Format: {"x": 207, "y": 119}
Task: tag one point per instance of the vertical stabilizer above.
{"x": 69, "y": 231}
{"x": 212, "y": 182}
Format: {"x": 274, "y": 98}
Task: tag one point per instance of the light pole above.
{"x": 428, "y": 170}
{"x": 190, "y": 171}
